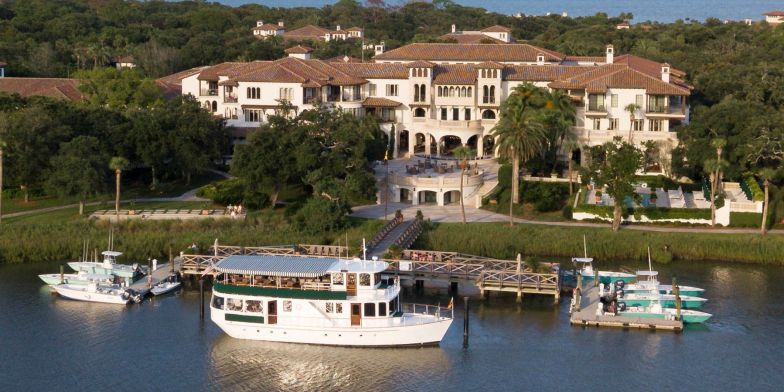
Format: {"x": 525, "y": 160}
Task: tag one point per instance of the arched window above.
{"x": 214, "y": 106}
{"x": 485, "y": 94}
{"x": 495, "y": 73}
{"x": 247, "y": 93}
{"x": 419, "y": 112}
{"x": 439, "y": 91}
{"x": 463, "y": 92}
{"x": 488, "y": 115}
{"x": 469, "y": 92}
{"x": 427, "y": 72}
{"x": 492, "y": 94}
{"x": 451, "y": 91}
{"x": 416, "y": 93}
{"x": 422, "y": 94}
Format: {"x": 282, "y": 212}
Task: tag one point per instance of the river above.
{"x": 656, "y": 10}
{"x": 49, "y": 343}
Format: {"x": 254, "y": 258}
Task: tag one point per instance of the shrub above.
{"x": 505, "y": 176}
{"x": 225, "y": 192}
{"x": 319, "y": 215}
{"x": 567, "y": 212}
{"x": 745, "y": 219}
{"x": 544, "y": 195}
{"x": 601, "y": 211}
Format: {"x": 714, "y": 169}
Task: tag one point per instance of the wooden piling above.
{"x": 62, "y": 274}
{"x": 201, "y": 297}
{"x": 465, "y": 322}
{"x": 677, "y": 291}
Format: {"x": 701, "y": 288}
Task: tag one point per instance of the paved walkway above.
{"x": 451, "y": 213}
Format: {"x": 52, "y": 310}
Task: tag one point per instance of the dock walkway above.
{"x": 163, "y": 271}
{"x": 586, "y": 315}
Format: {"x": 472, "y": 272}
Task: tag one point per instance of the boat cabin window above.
{"x": 376, "y": 278}
{"x": 217, "y": 302}
{"x": 364, "y": 279}
{"x": 253, "y": 306}
{"x": 234, "y": 304}
{"x": 337, "y": 279}
{"x": 393, "y": 305}
{"x": 382, "y": 308}
{"x": 370, "y": 309}
{"x": 287, "y": 306}
{"x": 329, "y": 307}
{"x": 338, "y": 307}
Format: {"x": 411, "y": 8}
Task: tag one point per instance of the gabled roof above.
{"x": 378, "y": 102}
{"x": 447, "y": 74}
{"x": 294, "y": 70}
{"x": 469, "y": 52}
{"x": 621, "y": 76}
{"x": 62, "y": 88}
{"x": 211, "y": 73}
{"x": 355, "y": 28}
{"x": 172, "y": 84}
{"x": 471, "y": 38}
{"x": 496, "y": 29}
{"x": 307, "y": 32}
{"x": 268, "y": 27}
{"x": 420, "y": 64}
{"x": 124, "y": 59}
{"x": 489, "y": 65}
{"x": 374, "y": 70}
{"x": 650, "y": 67}
{"x": 299, "y": 49}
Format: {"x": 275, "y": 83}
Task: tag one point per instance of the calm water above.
{"x": 48, "y": 343}
{"x": 658, "y": 10}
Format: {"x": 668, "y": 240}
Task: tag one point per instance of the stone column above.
{"x": 414, "y": 197}
{"x": 480, "y": 146}
{"x": 411, "y": 143}
{"x": 395, "y": 146}
{"x": 440, "y": 198}
{"x": 427, "y": 144}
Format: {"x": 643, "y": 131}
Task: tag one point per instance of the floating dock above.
{"x": 584, "y": 314}
{"x": 163, "y": 271}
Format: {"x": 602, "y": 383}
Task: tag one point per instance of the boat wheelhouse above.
{"x": 319, "y": 301}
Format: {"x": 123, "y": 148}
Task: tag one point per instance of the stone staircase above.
{"x": 403, "y": 234}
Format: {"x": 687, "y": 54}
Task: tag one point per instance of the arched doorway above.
{"x": 471, "y": 143}
{"x": 405, "y": 196}
{"x": 214, "y": 106}
{"x": 419, "y": 143}
{"x": 433, "y": 146}
{"x": 488, "y": 115}
{"x": 452, "y": 197}
{"x": 449, "y": 143}
{"x": 428, "y": 197}
{"x": 577, "y": 156}
{"x": 489, "y": 145}
{"x": 402, "y": 146}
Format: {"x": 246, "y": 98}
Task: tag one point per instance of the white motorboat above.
{"x": 79, "y": 278}
{"x": 166, "y": 286}
{"x": 109, "y": 266}
{"x": 93, "y": 292}
{"x": 319, "y": 301}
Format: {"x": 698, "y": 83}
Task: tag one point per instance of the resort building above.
{"x": 774, "y": 18}
{"x": 306, "y": 33}
{"x": 437, "y": 96}
{"x": 494, "y": 34}
{"x": 60, "y": 88}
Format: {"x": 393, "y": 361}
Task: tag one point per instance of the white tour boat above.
{"x": 93, "y": 292}
{"x": 319, "y": 301}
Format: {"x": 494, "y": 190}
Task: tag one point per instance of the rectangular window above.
{"x": 655, "y": 125}
{"x": 253, "y": 306}
{"x": 338, "y": 307}
{"x": 337, "y": 279}
{"x": 329, "y": 306}
{"x": 638, "y": 100}
{"x": 370, "y": 309}
{"x": 392, "y": 90}
{"x": 391, "y": 307}
{"x": 287, "y": 306}
{"x": 467, "y": 114}
{"x": 382, "y": 308}
{"x": 364, "y": 279}
{"x": 252, "y": 115}
{"x": 597, "y": 124}
{"x": 613, "y": 125}
{"x": 614, "y": 100}
{"x": 443, "y": 113}
{"x": 455, "y": 114}
{"x": 596, "y": 103}
{"x": 371, "y": 90}
{"x": 638, "y": 125}
{"x": 657, "y": 104}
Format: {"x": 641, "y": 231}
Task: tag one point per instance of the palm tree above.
{"x": 767, "y": 174}
{"x": 632, "y": 108}
{"x": 520, "y": 136}
{"x": 118, "y": 164}
{"x": 714, "y": 167}
{"x": 462, "y": 154}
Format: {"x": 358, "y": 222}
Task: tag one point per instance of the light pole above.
{"x": 386, "y": 181}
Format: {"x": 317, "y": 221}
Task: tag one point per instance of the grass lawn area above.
{"x": 72, "y": 214}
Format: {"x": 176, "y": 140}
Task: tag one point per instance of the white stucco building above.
{"x": 438, "y": 96}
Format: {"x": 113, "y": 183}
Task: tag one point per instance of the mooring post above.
{"x": 62, "y": 274}
{"x": 149, "y": 269}
{"x": 465, "y": 322}
{"x": 201, "y": 296}
{"x": 676, "y": 290}
{"x": 171, "y": 258}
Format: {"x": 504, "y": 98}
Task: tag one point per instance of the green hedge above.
{"x": 653, "y": 213}
{"x": 602, "y": 211}
{"x": 745, "y": 219}
{"x": 754, "y": 188}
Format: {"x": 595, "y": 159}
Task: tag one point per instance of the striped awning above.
{"x": 284, "y": 266}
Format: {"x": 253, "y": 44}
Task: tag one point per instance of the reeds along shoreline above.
{"x": 140, "y": 240}
{"x": 500, "y": 241}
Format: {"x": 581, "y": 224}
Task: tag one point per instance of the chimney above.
{"x": 259, "y": 23}
{"x": 610, "y": 54}
{"x": 380, "y": 48}
{"x": 280, "y": 23}
{"x": 338, "y": 28}
{"x": 665, "y": 73}
{"x": 454, "y": 28}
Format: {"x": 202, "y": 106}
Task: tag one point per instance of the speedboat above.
{"x": 666, "y": 300}
{"x": 166, "y": 286}
{"x": 93, "y": 292}
{"x": 657, "y": 311}
{"x": 79, "y": 278}
{"x": 665, "y": 289}
{"x": 610, "y": 277}
{"x": 109, "y": 266}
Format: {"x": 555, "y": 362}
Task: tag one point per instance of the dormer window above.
{"x": 540, "y": 59}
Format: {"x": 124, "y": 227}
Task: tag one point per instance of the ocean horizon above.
{"x": 651, "y": 10}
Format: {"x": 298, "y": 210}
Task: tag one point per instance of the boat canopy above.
{"x": 111, "y": 253}
{"x": 582, "y": 259}
{"x": 284, "y": 266}
{"x": 647, "y": 273}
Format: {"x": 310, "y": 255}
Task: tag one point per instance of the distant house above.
{"x": 494, "y": 34}
{"x": 124, "y": 62}
{"x": 623, "y": 26}
{"x": 306, "y": 33}
{"x": 264, "y": 30}
{"x": 61, "y": 88}
{"x": 774, "y": 18}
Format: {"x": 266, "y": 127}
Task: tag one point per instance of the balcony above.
{"x": 596, "y": 111}
{"x": 459, "y": 125}
{"x": 677, "y": 111}
{"x": 208, "y": 92}
{"x": 230, "y": 98}
{"x": 593, "y": 137}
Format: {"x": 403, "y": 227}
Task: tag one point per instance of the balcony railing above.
{"x": 333, "y": 97}
{"x": 208, "y": 92}
{"x": 662, "y": 109}
{"x": 230, "y": 99}
{"x": 597, "y": 108}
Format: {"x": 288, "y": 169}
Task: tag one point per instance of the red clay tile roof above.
{"x": 496, "y": 29}
{"x": 374, "y": 70}
{"x": 774, "y": 13}
{"x": 268, "y": 27}
{"x": 470, "y": 38}
{"x": 295, "y": 70}
{"x": 587, "y": 59}
{"x": 420, "y": 64}
{"x": 541, "y": 73}
{"x": 172, "y": 84}
{"x": 489, "y": 65}
{"x": 299, "y": 49}
{"x": 454, "y": 74}
{"x": 355, "y": 28}
{"x": 599, "y": 79}
{"x": 378, "y": 102}
{"x": 45, "y": 87}
{"x": 307, "y": 32}
{"x": 344, "y": 59}
{"x": 211, "y": 73}
{"x": 469, "y": 53}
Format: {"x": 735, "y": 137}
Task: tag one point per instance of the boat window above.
{"x": 253, "y": 306}
{"x": 234, "y": 304}
{"x": 364, "y": 279}
{"x": 338, "y": 307}
{"x": 217, "y": 302}
{"x": 337, "y": 279}
{"x": 376, "y": 278}
{"x": 287, "y": 306}
{"x": 329, "y": 307}
{"x": 391, "y": 307}
{"x": 370, "y": 309}
{"x": 382, "y": 308}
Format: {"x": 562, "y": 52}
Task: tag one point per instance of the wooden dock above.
{"x": 163, "y": 271}
{"x": 585, "y": 315}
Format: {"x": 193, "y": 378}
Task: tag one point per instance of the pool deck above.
{"x": 586, "y": 315}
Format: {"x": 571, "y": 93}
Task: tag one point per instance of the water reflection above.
{"x": 257, "y": 365}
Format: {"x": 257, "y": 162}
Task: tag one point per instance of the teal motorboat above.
{"x": 646, "y": 292}
{"x": 610, "y": 277}
{"x": 109, "y": 266}
{"x": 657, "y": 311}
{"x": 79, "y": 278}
{"x": 664, "y": 289}
{"x": 585, "y": 267}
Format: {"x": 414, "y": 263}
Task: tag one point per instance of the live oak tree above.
{"x": 78, "y": 169}
{"x": 616, "y": 174}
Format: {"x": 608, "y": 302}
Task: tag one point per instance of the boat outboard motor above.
{"x": 619, "y": 293}
{"x": 619, "y": 284}
{"x": 134, "y": 295}
{"x": 621, "y": 306}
